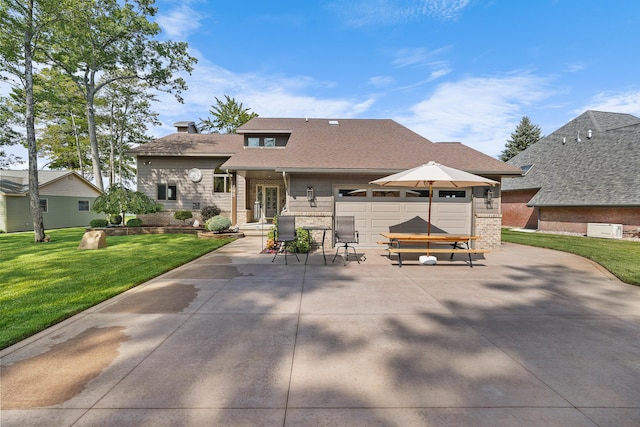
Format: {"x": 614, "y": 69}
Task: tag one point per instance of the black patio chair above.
{"x": 346, "y": 233}
{"x": 286, "y": 233}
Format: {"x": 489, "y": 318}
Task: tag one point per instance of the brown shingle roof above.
{"x": 190, "y": 144}
{"x": 355, "y": 144}
{"x": 351, "y": 145}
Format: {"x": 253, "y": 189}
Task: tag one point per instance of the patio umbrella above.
{"x": 432, "y": 175}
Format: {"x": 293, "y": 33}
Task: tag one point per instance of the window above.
{"x": 221, "y": 182}
{"x": 266, "y": 141}
{"x": 167, "y": 192}
{"x": 525, "y": 168}
{"x": 385, "y": 193}
{"x": 83, "y": 206}
{"x": 352, "y": 192}
{"x": 452, "y": 194}
{"x": 44, "y": 205}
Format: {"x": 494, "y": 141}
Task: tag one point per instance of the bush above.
{"x": 218, "y": 223}
{"x": 134, "y": 222}
{"x": 98, "y": 223}
{"x": 209, "y": 212}
{"x": 183, "y": 215}
{"x": 115, "y": 219}
{"x": 302, "y": 243}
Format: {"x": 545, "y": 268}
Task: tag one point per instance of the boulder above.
{"x": 93, "y": 239}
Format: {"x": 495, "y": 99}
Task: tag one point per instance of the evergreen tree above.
{"x": 525, "y": 134}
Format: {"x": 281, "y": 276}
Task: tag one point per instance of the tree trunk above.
{"x": 34, "y": 191}
{"x": 78, "y": 148}
{"x": 93, "y": 139}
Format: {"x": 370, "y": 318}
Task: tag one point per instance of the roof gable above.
{"x": 16, "y": 182}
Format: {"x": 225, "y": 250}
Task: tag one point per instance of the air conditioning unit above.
{"x": 607, "y": 231}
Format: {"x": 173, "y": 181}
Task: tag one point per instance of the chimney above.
{"x": 186, "y": 127}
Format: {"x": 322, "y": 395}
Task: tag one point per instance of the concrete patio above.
{"x": 527, "y": 337}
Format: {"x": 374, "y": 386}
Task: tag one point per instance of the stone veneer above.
{"x": 488, "y": 226}
{"x": 318, "y": 219}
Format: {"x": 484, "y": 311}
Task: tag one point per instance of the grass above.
{"x": 44, "y": 283}
{"x": 620, "y": 257}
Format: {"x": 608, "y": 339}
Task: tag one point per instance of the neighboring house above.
{"x": 66, "y": 199}
{"x": 316, "y": 169}
{"x": 588, "y": 171}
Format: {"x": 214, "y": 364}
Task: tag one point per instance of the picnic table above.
{"x": 399, "y": 243}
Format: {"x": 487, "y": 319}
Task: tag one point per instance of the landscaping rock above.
{"x": 94, "y": 239}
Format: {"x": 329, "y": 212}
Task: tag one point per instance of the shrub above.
{"x": 302, "y": 243}
{"x": 218, "y": 223}
{"x": 115, "y": 219}
{"x": 134, "y": 222}
{"x": 209, "y": 212}
{"x": 98, "y": 223}
{"x": 183, "y": 215}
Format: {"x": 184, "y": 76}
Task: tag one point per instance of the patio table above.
{"x": 309, "y": 229}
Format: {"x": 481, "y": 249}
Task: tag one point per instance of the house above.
{"x": 66, "y": 199}
{"x": 316, "y": 169}
{"x": 587, "y": 171}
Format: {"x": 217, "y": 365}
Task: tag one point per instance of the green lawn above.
{"x": 44, "y": 283}
{"x": 620, "y": 257}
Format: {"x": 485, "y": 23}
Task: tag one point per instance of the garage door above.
{"x": 403, "y": 211}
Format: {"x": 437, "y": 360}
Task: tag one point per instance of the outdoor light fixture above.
{"x": 310, "y": 195}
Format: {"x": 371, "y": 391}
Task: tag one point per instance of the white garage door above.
{"x": 403, "y": 211}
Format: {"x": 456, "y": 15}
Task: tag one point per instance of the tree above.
{"x": 8, "y": 135}
{"x": 119, "y": 200}
{"x": 522, "y": 137}
{"x": 24, "y": 29}
{"x": 227, "y": 116}
{"x": 65, "y": 138}
{"x": 127, "y": 112}
{"x": 99, "y": 42}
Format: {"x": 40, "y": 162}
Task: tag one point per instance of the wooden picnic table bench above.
{"x": 399, "y": 243}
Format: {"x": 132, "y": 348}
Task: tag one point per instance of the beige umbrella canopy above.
{"x": 432, "y": 175}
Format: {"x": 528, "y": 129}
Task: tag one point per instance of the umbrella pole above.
{"x": 429, "y": 220}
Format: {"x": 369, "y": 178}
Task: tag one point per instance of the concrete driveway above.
{"x": 528, "y": 337}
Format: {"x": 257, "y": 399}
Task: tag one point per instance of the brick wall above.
{"x": 489, "y": 227}
{"x": 165, "y": 217}
{"x": 515, "y": 212}
{"x": 575, "y": 219}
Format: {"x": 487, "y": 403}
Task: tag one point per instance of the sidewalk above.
{"x": 527, "y": 337}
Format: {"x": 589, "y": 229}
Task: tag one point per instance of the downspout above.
{"x": 286, "y": 191}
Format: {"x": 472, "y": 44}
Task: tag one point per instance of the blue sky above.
{"x": 450, "y": 70}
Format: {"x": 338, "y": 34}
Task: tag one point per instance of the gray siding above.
{"x": 174, "y": 171}
{"x": 3, "y": 212}
{"x": 18, "y": 214}
{"x": 62, "y": 213}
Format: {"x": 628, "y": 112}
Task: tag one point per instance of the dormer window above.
{"x": 266, "y": 141}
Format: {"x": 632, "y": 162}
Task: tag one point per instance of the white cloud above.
{"x": 480, "y": 112}
{"x": 622, "y": 102}
{"x": 180, "y": 22}
{"x": 267, "y": 95}
{"x": 380, "y": 81}
{"x": 364, "y": 12}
